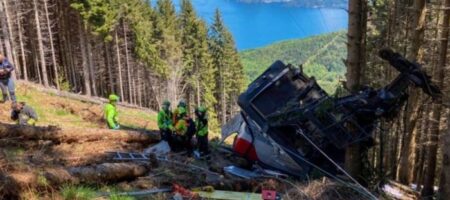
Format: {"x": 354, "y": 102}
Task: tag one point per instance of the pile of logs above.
{"x": 13, "y": 182}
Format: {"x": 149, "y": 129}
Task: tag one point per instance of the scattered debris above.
{"x": 239, "y": 172}
{"x": 162, "y": 148}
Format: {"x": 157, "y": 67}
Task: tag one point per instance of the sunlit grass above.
{"x": 46, "y": 106}
{"x": 78, "y": 193}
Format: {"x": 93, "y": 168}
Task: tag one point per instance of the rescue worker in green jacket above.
{"x": 182, "y": 104}
{"x": 165, "y": 123}
{"x": 181, "y": 129}
{"x": 201, "y": 126}
{"x": 111, "y": 114}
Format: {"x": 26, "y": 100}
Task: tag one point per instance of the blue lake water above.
{"x": 260, "y": 24}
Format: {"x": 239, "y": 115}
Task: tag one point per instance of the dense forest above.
{"x": 413, "y": 148}
{"x": 142, "y": 53}
{"x": 321, "y": 57}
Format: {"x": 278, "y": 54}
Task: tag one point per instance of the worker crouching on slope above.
{"x": 201, "y": 125}
{"x": 165, "y": 123}
{"x": 23, "y": 114}
{"x": 111, "y": 113}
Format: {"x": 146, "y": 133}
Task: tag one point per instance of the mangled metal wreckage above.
{"x": 290, "y": 124}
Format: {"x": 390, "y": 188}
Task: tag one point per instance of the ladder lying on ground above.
{"x": 129, "y": 156}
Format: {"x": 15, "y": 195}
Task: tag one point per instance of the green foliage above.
{"x": 167, "y": 39}
{"x": 101, "y": 15}
{"x": 42, "y": 181}
{"x": 322, "y": 54}
{"x": 70, "y": 192}
{"x": 12, "y": 153}
{"x": 229, "y": 74}
{"x": 199, "y": 69}
{"x": 64, "y": 85}
{"x": 178, "y": 48}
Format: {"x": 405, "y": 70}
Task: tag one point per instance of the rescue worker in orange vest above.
{"x": 181, "y": 104}
{"x": 184, "y": 131}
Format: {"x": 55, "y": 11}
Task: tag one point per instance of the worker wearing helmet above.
{"x": 165, "y": 123}
{"x": 201, "y": 126}
{"x": 111, "y": 113}
{"x": 23, "y": 114}
{"x": 181, "y": 129}
{"x": 181, "y": 105}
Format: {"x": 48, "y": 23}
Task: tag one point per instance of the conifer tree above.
{"x": 224, "y": 56}
{"x": 199, "y": 71}
{"x": 169, "y": 46}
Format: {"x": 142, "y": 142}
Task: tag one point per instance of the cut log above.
{"x": 79, "y": 135}
{"x": 102, "y": 173}
{"x": 13, "y": 184}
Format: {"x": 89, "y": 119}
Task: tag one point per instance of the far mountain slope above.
{"x": 321, "y": 55}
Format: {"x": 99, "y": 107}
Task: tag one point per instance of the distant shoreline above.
{"x": 302, "y": 4}
{"x": 290, "y": 40}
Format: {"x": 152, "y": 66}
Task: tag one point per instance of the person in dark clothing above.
{"x": 201, "y": 125}
{"x": 23, "y": 114}
{"x": 191, "y": 129}
{"x": 6, "y": 81}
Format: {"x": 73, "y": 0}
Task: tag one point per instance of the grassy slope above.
{"x": 323, "y": 55}
{"x": 68, "y": 113}
{"x": 63, "y": 112}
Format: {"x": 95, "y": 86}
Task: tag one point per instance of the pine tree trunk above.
{"x": 411, "y": 114}
{"x": 444, "y": 185}
{"x": 127, "y": 62}
{"x": 413, "y": 148}
{"x": 86, "y": 76}
{"x": 355, "y": 66}
{"x": 108, "y": 67}
{"x": 22, "y": 48}
{"x": 1, "y": 45}
{"x": 90, "y": 63}
{"x": 52, "y": 47}
{"x": 139, "y": 87}
{"x": 11, "y": 36}
{"x": 119, "y": 66}
{"x": 40, "y": 45}
{"x": 6, "y": 31}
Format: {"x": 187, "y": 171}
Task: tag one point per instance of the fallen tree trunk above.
{"x": 102, "y": 173}
{"x": 79, "y": 97}
{"x": 14, "y": 183}
{"x": 80, "y": 135}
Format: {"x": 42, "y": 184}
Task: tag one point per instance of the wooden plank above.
{"x": 229, "y": 195}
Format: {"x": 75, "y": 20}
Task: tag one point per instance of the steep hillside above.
{"x": 321, "y": 55}
{"x": 66, "y": 113}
